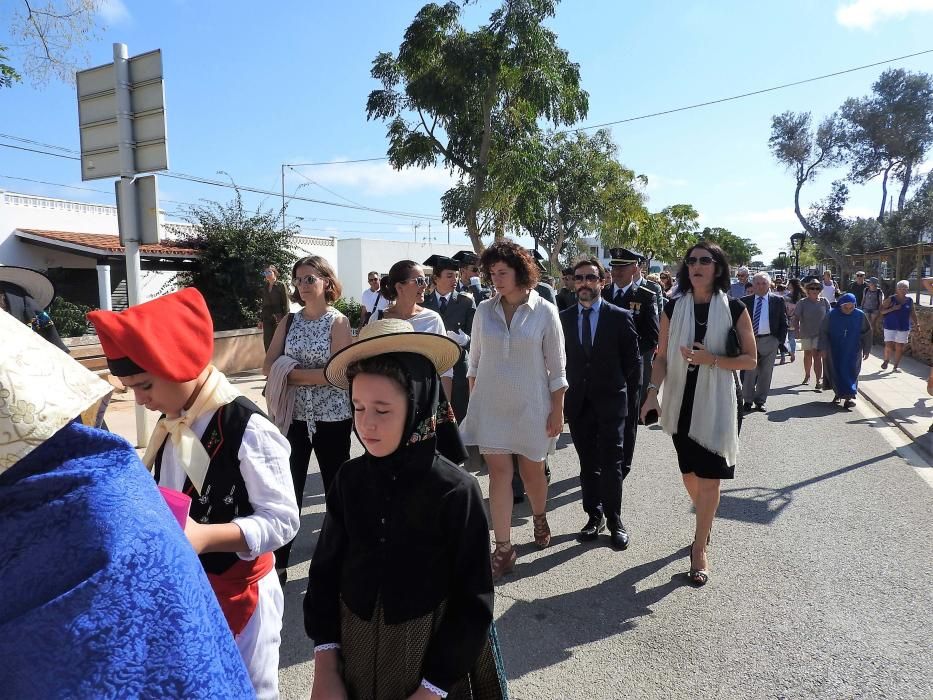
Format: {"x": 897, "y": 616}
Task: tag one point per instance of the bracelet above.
{"x": 650, "y": 387}
{"x": 715, "y": 361}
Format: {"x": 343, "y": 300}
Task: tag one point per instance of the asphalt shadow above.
{"x": 762, "y": 506}
{"x": 814, "y": 409}
{"x": 544, "y": 632}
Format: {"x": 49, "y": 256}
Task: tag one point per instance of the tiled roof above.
{"x": 108, "y": 243}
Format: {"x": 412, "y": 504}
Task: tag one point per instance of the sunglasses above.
{"x": 420, "y": 281}
{"x": 373, "y": 279}
{"x": 814, "y": 289}
{"x": 704, "y": 260}
{"x": 586, "y": 278}
{"x": 307, "y": 279}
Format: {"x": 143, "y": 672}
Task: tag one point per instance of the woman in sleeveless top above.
{"x": 692, "y": 362}
{"x": 321, "y": 418}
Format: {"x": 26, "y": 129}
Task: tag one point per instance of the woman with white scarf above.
{"x": 692, "y": 362}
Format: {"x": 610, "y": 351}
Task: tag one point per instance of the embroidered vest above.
{"x": 224, "y": 496}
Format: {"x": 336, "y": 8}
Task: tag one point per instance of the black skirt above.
{"x": 384, "y": 662}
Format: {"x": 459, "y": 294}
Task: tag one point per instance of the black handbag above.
{"x": 733, "y": 346}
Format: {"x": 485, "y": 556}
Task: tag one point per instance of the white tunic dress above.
{"x": 425, "y": 321}
{"x": 515, "y": 369}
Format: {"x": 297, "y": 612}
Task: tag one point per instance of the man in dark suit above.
{"x": 769, "y": 320}
{"x": 641, "y": 302}
{"x": 469, "y": 281}
{"x": 603, "y": 371}
{"x": 456, "y": 311}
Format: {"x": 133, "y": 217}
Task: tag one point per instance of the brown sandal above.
{"x": 503, "y": 559}
{"x": 542, "y": 530}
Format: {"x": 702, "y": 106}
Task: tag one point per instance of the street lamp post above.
{"x": 797, "y": 241}
{"x": 782, "y": 261}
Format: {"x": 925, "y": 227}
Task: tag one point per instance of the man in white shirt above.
{"x": 769, "y": 322}
{"x": 373, "y": 300}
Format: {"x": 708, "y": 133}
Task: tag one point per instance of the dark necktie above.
{"x": 618, "y": 298}
{"x": 758, "y": 301}
{"x": 443, "y": 304}
{"x": 587, "y": 333}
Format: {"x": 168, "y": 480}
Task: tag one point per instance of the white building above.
{"x": 77, "y": 245}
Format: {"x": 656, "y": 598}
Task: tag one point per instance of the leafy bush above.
{"x": 70, "y": 319}
{"x": 350, "y": 308}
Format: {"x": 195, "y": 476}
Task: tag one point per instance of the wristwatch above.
{"x": 651, "y": 386}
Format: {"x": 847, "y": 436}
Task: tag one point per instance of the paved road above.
{"x": 820, "y": 588}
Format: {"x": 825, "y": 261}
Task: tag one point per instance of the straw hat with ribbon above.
{"x": 392, "y": 335}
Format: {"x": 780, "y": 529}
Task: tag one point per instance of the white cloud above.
{"x": 376, "y": 179}
{"x": 865, "y": 14}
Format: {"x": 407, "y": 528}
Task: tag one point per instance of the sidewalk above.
{"x": 902, "y": 396}
{"x": 121, "y": 418}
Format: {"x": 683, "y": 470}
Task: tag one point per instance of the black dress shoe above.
{"x": 618, "y": 537}
{"x": 760, "y": 407}
{"x": 746, "y": 406}
{"x": 593, "y": 527}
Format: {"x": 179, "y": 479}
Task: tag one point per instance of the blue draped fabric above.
{"x": 101, "y": 596}
{"x": 845, "y": 345}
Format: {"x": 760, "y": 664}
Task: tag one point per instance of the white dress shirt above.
{"x": 764, "y": 324}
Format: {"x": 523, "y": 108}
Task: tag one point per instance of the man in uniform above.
{"x": 469, "y": 275}
{"x": 653, "y": 287}
{"x": 456, "y": 311}
{"x": 642, "y": 302}
{"x": 545, "y": 290}
{"x": 567, "y": 296}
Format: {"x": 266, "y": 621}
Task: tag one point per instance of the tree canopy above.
{"x": 234, "y": 246}
{"x": 738, "y": 250}
{"x": 48, "y": 39}
{"x": 467, "y": 98}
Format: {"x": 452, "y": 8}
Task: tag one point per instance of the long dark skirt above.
{"x": 384, "y": 662}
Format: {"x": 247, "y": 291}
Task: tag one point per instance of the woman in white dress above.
{"x": 405, "y": 292}
{"x": 517, "y": 383}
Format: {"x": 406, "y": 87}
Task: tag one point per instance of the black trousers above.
{"x": 331, "y": 446}
{"x": 598, "y": 440}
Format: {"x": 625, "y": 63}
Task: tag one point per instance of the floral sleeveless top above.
{"x": 308, "y": 342}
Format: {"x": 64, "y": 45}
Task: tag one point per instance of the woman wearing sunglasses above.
{"x": 692, "y": 362}
{"x": 313, "y": 414}
{"x": 809, "y": 313}
{"x": 405, "y": 291}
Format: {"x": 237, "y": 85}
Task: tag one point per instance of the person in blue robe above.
{"x": 101, "y": 595}
{"x": 845, "y": 339}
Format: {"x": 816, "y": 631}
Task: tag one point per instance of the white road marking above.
{"x": 897, "y": 440}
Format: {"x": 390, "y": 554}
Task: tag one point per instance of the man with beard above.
{"x": 603, "y": 372}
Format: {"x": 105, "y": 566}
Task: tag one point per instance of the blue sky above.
{"x": 248, "y": 90}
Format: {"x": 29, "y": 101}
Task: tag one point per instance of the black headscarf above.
{"x": 24, "y": 308}
{"x": 430, "y": 425}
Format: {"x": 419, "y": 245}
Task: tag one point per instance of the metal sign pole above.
{"x": 128, "y": 210}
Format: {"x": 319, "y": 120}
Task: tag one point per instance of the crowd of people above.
{"x": 460, "y": 361}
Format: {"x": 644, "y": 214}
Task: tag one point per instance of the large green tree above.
{"x": 889, "y": 132}
{"x": 570, "y": 188}
{"x": 234, "y": 245}
{"x": 738, "y": 250}
{"x": 465, "y": 98}
{"x": 663, "y": 235}
{"x": 806, "y": 152}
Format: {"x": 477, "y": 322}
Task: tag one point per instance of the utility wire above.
{"x": 318, "y": 184}
{"x": 744, "y": 94}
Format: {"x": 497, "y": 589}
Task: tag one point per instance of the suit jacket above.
{"x": 612, "y": 373}
{"x": 478, "y": 293}
{"x": 458, "y": 316}
{"x": 641, "y": 302}
{"x": 547, "y": 292}
{"x": 565, "y": 298}
{"x": 655, "y": 289}
{"x": 777, "y": 315}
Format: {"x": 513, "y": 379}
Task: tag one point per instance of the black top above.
{"x": 700, "y": 316}
{"x": 407, "y": 537}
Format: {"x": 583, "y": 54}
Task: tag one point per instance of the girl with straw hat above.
{"x": 401, "y": 571}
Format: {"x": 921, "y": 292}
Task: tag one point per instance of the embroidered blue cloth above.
{"x": 101, "y": 596}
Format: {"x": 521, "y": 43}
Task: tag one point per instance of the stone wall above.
{"x": 234, "y": 351}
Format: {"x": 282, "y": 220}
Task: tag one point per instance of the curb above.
{"x": 922, "y": 444}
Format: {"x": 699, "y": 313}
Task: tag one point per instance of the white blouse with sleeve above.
{"x": 515, "y": 370}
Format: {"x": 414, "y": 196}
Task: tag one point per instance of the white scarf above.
{"x": 713, "y": 420}
{"x": 215, "y": 392}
